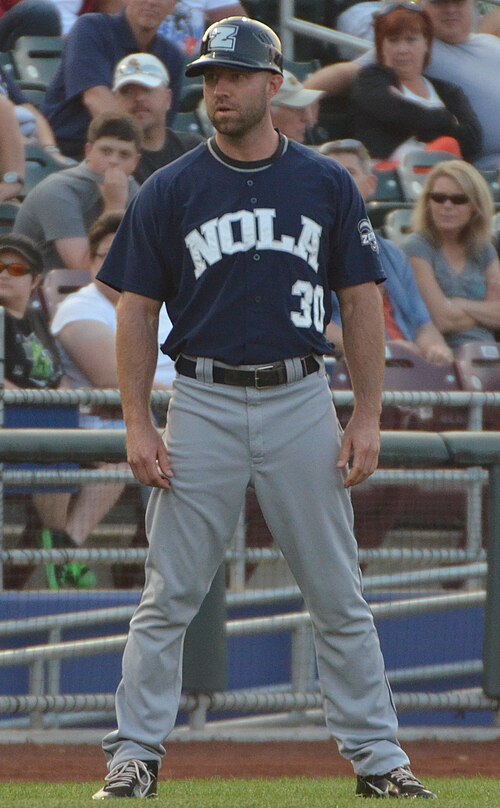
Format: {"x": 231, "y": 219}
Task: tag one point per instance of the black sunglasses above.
{"x": 455, "y": 199}
{"x": 14, "y": 269}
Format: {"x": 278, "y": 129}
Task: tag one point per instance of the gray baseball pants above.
{"x": 283, "y": 441}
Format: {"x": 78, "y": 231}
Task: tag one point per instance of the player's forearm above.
{"x": 136, "y": 355}
{"x": 364, "y": 340}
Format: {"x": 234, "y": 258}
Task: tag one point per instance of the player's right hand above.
{"x": 148, "y": 457}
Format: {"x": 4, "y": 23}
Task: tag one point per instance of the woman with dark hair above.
{"x": 395, "y": 107}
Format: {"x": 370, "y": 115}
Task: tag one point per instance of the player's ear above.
{"x": 274, "y": 83}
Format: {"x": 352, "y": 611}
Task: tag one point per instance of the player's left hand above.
{"x": 360, "y": 448}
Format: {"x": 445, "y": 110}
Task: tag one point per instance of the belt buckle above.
{"x": 260, "y": 381}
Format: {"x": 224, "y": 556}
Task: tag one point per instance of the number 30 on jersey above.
{"x": 312, "y": 308}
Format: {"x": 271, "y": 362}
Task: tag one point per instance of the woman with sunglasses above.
{"x": 455, "y": 263}
{"x": 395, "y": 107}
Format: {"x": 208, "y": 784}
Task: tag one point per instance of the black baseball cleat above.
{"x": 134, "y": 778}
{"x": 399, "y": 783}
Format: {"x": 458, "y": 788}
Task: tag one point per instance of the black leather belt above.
{"x": 264, "y": 376}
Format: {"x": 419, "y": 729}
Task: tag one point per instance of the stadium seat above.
{"x": 301, "y": 70}
{"x": 378, "y": 211}
{"x": 414, "y": 168}
{"x": 478, "y": 366}
{"x": 397, "y": 224}
{"x": 191, "y": 95}
{"x": 495, "y": 225}
{"x": 407, "y": 370}
{"x": 8, "y": 213}
{"x": 493, "y": 183}
{"x": 39, "y": 164}
{"x": 187, "y": 122}
{"x": 6, "y": 62}
{"x": 36, "y": 58}
{"x": 59, "y": 283}
{"x": 389, "y": 188}
{"x": 34, "y": 92}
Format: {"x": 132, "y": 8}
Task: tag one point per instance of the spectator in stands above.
{"x": 70, "y": 10}
{"x": 455, "y": 263}
{"x": 85, "y": 328}
{"x": 27, "y": 18}
{"x": 406, "y": 316}
{"x": 141, "y": 86}
{"x": 59, "y": 211}
{"x": 294, "y": 109}
{"x": 81, "y": 87}
{"x": 488, "y": 21}
{"x": 33, "y": 126}
{"x": 186, "y": 24}
{"x": 31, "y": 358}
{"x": 12, "y": 162}
{"x": 31, "y": 361}
{"x": 395, "y": 106}
{"x": 467, "y": 59}
{"x": 356, "y": 19}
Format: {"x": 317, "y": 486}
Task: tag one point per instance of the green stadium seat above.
{"x": 36, "y": 58}
{"x": 39, "y": 164}
{"x": 301, "y": 70}
{"x": 8, "y": 213}
{"x": 187, "y": 122}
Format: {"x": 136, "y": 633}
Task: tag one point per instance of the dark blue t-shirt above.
{"x": 245, "y": 255}
{"x": 93, "y": 48}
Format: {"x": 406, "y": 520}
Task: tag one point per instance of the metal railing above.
{"x": 432, "y": 451}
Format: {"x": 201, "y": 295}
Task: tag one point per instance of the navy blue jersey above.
{"x": 245, "y": 255}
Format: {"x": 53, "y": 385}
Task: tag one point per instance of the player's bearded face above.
{"x": 235, "y": 102}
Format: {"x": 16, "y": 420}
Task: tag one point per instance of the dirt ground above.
{"x": 197, "y": 760}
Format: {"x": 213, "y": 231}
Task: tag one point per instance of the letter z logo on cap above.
{"x": 366, "y": 234}
{"x": 223, "y": 38}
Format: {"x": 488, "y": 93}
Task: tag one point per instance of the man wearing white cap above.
{"x": 141, "y": 85}
{"x": 293, "y": 108}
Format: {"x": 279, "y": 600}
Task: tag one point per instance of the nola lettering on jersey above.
{"x": 244, "y": 230}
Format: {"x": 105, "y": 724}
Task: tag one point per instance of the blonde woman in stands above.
{"x": 455, "y": 263}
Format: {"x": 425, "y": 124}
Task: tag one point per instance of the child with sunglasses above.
{"x": 455, "y": 263}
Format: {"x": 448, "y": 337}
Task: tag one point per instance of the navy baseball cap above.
{"x": 238, "y": 43}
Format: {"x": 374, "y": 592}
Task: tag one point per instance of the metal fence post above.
{"x": 491, "y": 652}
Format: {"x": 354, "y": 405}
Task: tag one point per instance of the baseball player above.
{"x": 243, "y": 238}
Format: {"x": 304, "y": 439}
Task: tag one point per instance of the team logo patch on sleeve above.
{"x": 366, "y": 234}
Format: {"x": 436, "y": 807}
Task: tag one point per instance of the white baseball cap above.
{"x": 140, "y": 68}
{"x": 293, "y": 94}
